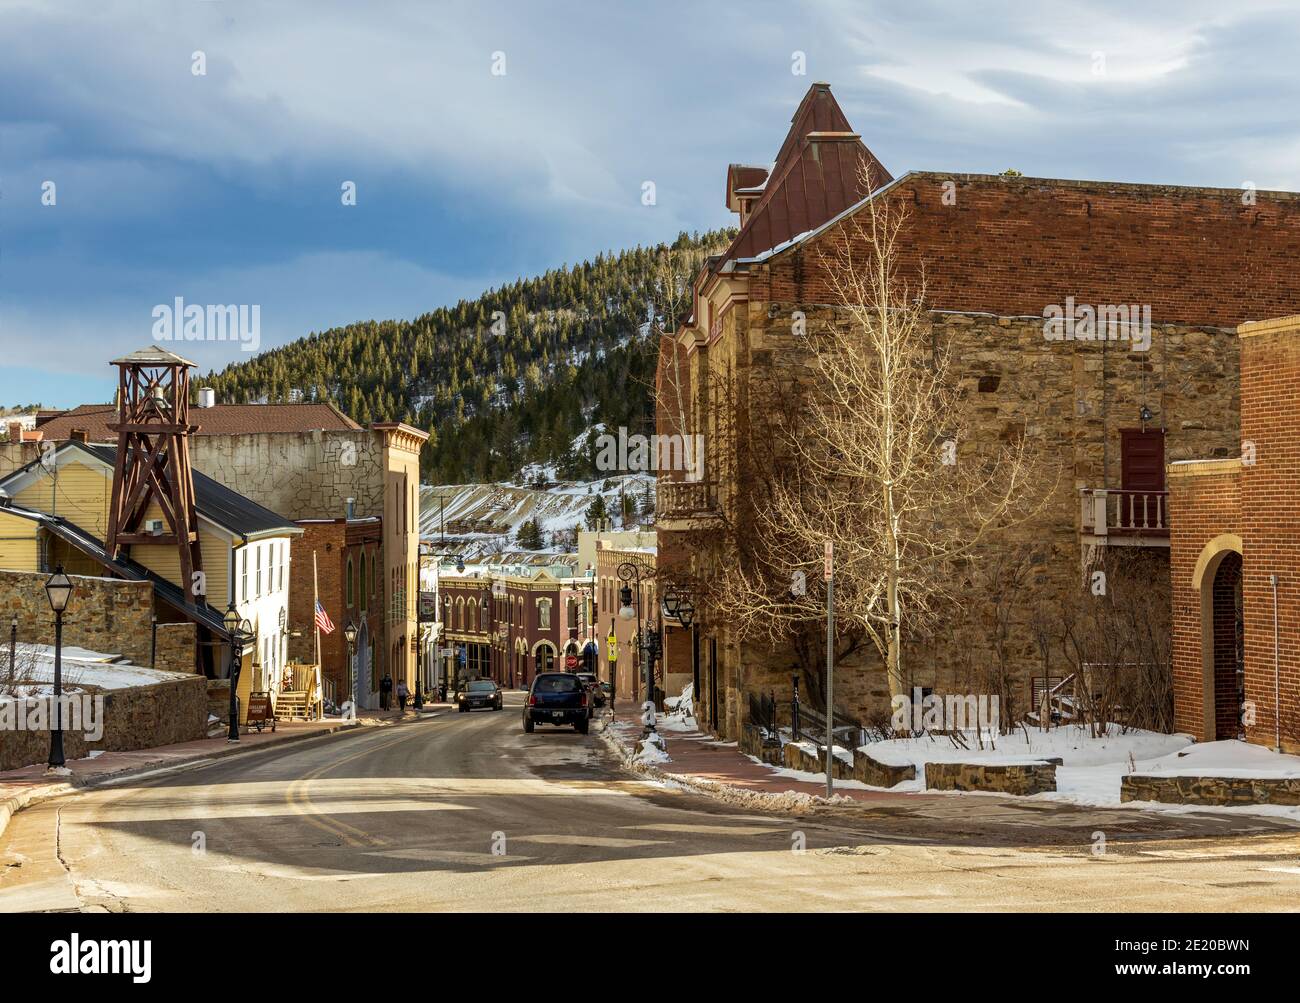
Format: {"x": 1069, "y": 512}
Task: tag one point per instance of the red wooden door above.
{"x": 1142, "y": 470}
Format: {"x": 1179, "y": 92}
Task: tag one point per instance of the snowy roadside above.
{"x": 624, "y": 737}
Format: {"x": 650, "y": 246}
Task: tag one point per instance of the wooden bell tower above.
{"x": 152, "y": 467}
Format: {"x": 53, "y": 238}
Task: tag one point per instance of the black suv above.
{"x": 558, "y": 698}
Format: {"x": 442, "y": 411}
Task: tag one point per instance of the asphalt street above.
{"x": 466, "y": 812}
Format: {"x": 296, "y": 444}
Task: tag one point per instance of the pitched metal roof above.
{"x": 152, "y": 355}
{"x": 818, "y": 174}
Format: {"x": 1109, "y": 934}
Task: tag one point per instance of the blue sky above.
{"x": 225, "y": 187}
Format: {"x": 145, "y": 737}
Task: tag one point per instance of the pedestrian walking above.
{"x": 386, "y": 692}
{"x": 403, "y": 693}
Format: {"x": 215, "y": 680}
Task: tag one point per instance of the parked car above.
{"x": 558, "y": 698}
{"x": 593, "y": 687}
{"x": 479, "y": 693}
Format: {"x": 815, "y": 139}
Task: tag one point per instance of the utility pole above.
{"x": 442, "y": 508}
{"x": 828, "y": 572}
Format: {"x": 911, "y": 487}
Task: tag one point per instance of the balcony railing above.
{"x": 1124, "y": 514}
{"x": 686, "y": 498}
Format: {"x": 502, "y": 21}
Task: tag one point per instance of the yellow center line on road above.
{"x": 298, "y": 800}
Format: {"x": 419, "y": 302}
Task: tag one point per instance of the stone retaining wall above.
{"x": 1020, "y": 778}
{"x": 1210, "y": 790}
{"x": 877, "y": 774}
{"x": 752, "y": 743}
{"x": 799, "y": 759}
{"x": 141, "y": 717}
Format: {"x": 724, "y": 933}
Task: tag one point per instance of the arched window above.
{"x": 362, "y": 581}
{"x": 460, "y": 612}
{"x": 473, "y": 615}
{"x": 349, "y": 585}
{"x": 544, "y": 614}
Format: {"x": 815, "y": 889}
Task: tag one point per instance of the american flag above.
{"x": 323, "y": 620}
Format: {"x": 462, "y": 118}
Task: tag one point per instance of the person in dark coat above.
{"x": 386, "y": 692}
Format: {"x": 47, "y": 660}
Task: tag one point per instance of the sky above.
{"x": 200, "y": 149}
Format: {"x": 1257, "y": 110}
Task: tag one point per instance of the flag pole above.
{"x": 315, "y": 599}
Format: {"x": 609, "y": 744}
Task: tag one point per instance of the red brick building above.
{"x": 1235, "y": 560}
{"x": 506, "y": 624}
{"x": 348, "y": 557}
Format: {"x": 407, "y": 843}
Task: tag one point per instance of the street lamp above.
{"x": 238, "y": 631}
{"x": 630, "y": 572}
{"x": 58, "y": 589}
{"x": 350, "y": 635}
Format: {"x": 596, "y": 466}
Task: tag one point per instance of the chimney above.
{"x": 15, "y": 431}
{"x": 207, "y": 397}
{"x": 350, "y": 508}
{"x": 78, "y": 435}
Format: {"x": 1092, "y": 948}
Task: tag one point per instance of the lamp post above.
{"x": 685, "y": 613}
{"x": 350, "y": 635}
{"x": 629, "y": 572}
{"x": 58, "y": 589}
{"x": 238, "y": 631}
{"x": 13, "y": 648}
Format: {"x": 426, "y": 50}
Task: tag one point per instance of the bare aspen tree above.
{"x": 880, "y": 462}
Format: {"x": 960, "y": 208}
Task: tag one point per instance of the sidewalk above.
{"x": 30, "y": 784}
{"x": 698, "y": 756}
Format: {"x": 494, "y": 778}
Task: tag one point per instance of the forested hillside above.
{"x": 509, "y": 379}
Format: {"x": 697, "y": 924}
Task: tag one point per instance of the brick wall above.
{"x": 1004, "y": 246}
{"x": 333, "y": 543}
{"x": 1204, "y": 504}
{"x": 1270, "y": 519}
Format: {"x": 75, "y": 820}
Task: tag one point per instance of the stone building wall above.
{"x": 104, "y": 614}
{"x": 1071, "y": 399}
{"x": 299, "y": 475}
{"x": 141, "y": 717}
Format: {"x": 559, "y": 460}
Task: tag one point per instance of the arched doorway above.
{"x": 519, "y": 664}
{"x": 544, "y": 656}
{"x": 1218, "y": 578}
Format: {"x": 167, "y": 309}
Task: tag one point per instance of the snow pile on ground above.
{"x": 1074, "y": 745}
{"x": 1092, "y": 765}
{"x": 1226, "y": 759}
{"x": 684, "y": 704}
{"x": 653, "y": 749}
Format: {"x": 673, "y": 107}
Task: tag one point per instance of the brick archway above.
{"x": 1218, "y": 579}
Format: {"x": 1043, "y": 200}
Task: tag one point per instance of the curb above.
{"x": 790, "y": 802}
{"x": 12, "y": 805}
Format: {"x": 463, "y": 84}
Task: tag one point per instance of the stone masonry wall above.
{"x": 138, "y": 718}
{"x": 299, "y": 475}
{"x": 104, "y": 614}
{"x": 1071, "y": 399}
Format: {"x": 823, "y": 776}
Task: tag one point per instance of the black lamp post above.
{"x": 350, "y": 635}
{"x": 59, "y": 590}
{"x": 629, "y": 572}
{"x": 685, "y": 613}
{"x": 238, "y": 631}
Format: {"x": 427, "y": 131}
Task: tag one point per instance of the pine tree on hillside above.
{"x": 572, "y": 354}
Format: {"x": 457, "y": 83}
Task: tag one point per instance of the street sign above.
{"x": 612, "y": 641}
{"x": 828, "y": 561}
{"x": 570, "y": 661}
